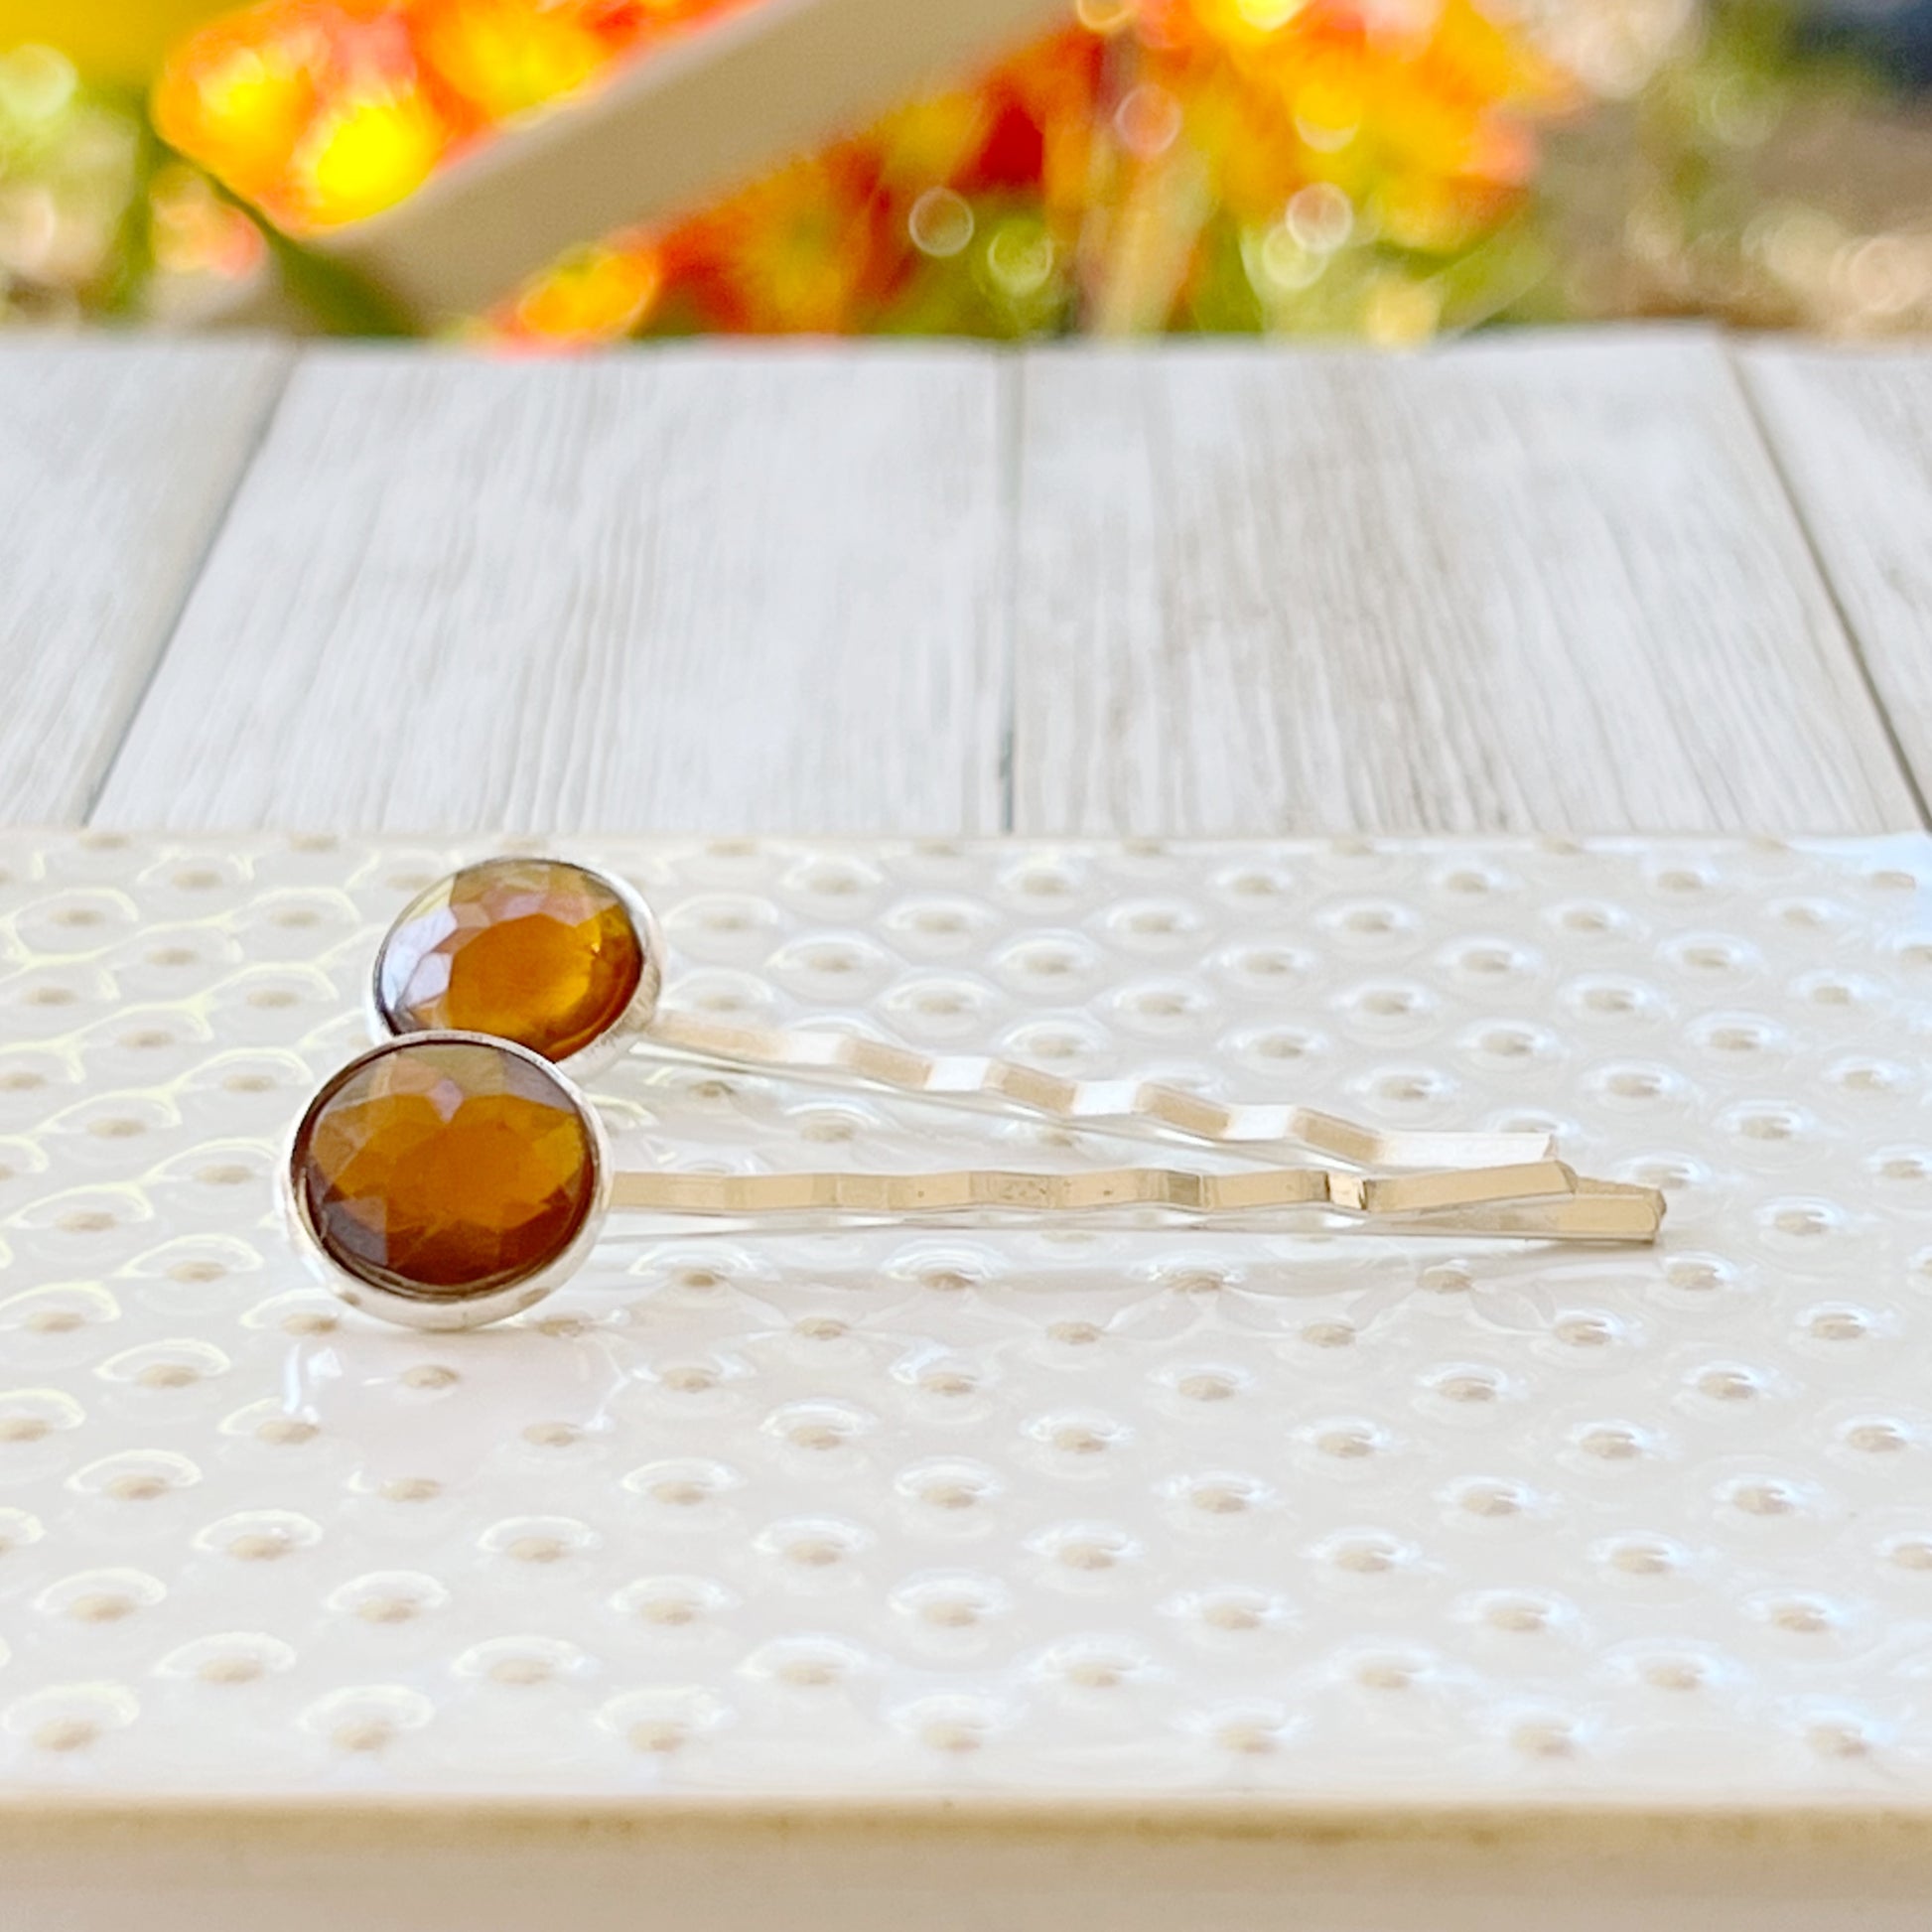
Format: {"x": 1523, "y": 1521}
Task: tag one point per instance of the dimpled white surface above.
{"x": 999, "y": 1512}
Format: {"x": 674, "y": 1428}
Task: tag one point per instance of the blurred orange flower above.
{"x": 1318, "y": 152}
{"x": 505, "y": 57}
{"x": 322, "y": 112}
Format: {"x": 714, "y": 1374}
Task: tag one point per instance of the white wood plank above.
{"x": 118, "y": 460}
{"x": 1853, "y": 435}
{"x": 681, "y": 588}
{"x": 1526, "y": 584}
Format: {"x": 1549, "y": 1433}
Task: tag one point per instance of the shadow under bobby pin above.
{"x": 569, "y": 963}
{"x": 448, "y": 1179}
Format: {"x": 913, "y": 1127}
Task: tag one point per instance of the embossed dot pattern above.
{"x": 1072, "y": 1510}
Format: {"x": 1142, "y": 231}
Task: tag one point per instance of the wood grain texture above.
{"x": 1853, "y": 435}
{"x": 118, "y": 460}
{"x": 1528, "y": 584}
{"x": 712, "y": 590}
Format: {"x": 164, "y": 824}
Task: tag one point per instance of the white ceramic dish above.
{"x": 1302, "y": 1562}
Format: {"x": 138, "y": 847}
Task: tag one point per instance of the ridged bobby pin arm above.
{"x": 1142, "y": 1107}
{"x": 1532, "y": 1200}
{"x": 448, "y": 1179}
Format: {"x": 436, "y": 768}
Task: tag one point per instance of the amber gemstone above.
{"x": 445, "y": 1167}
{"x": 529, "y": 949}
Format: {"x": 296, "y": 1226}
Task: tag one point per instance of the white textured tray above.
{"x": 1000, "y": 1517}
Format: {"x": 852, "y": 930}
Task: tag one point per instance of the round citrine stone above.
{"x": 444, "y": 1167}
{"x": 529, "y": 949}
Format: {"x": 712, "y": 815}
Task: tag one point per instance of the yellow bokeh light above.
{"x": 1267, "y": 15}
{"x": 598, "y": 295}
{"x": 506, "y": 57}
{"x": 250, "y": 110}
{"x": 365, "y": 154}
{"x": 1399, "y": 313}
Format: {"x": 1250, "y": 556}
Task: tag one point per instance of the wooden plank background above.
{"x": 1635, "y": 580}
{"x": 691, "y": 589}
{"x": 1852, "y": 434}
{"x": 118, "y": 460}
{"x": 1513, "y": 586}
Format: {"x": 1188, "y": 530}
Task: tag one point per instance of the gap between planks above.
{"x": 118, "y": 460}
{"x": 1851, "y": 431}
{"x": 1532, "y": 583}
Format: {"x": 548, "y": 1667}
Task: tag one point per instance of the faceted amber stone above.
{"x": 446, "y": 1167}
{"x": 529, "y": 949}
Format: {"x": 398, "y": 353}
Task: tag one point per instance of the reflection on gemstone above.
{"x": 445, "y": 1167}
{"x": 529, "y": 950}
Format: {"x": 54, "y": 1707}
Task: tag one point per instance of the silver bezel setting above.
{"x": 617, "y": 1039}
{"x": 445, "y": 1313}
